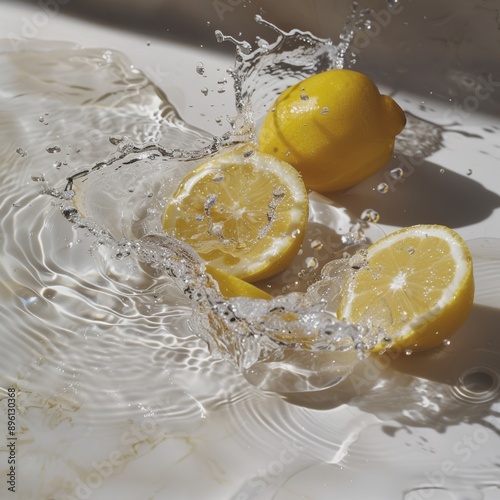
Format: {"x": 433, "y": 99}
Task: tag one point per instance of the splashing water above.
{"x": 120, "y": 199}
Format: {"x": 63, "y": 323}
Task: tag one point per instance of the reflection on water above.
{"x": 103, "y": 350}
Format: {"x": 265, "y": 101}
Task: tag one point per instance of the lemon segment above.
{"x": 335, "y": 128}
{"x": 244, "y": 212}
{"x": 231, "y": 286}
{"x": 416, "y": 288}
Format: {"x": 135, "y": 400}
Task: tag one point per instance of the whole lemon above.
{"x": 334, "y": 127}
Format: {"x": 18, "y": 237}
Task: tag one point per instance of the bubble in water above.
{"x": 21, "y": 152}
{"x": 383, "y": 187}
{"x": 370, "y": 215}
{"x": 53, "y": 149}
{"x": 396, "y": 173}
{"x": 200, "y": 68}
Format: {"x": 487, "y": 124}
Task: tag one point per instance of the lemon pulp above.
{"x": 244, "y": 212}
{"x": 416, "y": 288}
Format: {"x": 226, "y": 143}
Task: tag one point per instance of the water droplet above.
{"x": 218, "y": 178}
{"x": 279, "y": 192}
{"x": 57, "y": 164}
{"x": 442, "y": 170}
{"x": 446, "y": 342}
{"x": 325, "y": 110}
{"x": 304, "y": 97}
{"x": 408, "y": 352}
{"x": 295, "y": 233}
{"x": 148, "y": 43}
{"x": 16, "y": 205}
{"x": 21, "y": 152}
{"x": 469, "y": 172}
{"x": 53, "y": 149}
{"x": 263, "y": 44}
{"x": 383, "y": 187}
{"x": 41, "y": 119}
{"x": 370, "y": 215}
{"x": 200, "y": 68}
{"x": 311, "y": 263}
{"x": 316, "y": 244}
{"x": 396, "y": 173}
{"x": 209, "y": 202}
{"x": 204, "y": 91}
{"x": 38, "y": 178}
{"x": 218, "y": 120}
{"x": 222, "y": 86}
{"x": 411, "y": 250}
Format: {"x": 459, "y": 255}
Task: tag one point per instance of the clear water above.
{"x": 116, "y": 338}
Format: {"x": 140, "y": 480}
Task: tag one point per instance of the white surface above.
{"x": 248, "y": 447}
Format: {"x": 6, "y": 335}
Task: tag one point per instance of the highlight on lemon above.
{"x": 244, "y": 212}
{"x": 334, "y": 127}
{"x": 416, "y": 288}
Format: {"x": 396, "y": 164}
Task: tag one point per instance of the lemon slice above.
{"x": 416, "y": 288}
{"x": 244, "y": 212}
{"x": 231, "y": 286}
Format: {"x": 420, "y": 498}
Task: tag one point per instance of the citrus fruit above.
{"x": 243, "y": 211}
{"x": 231, "y": 286}
{"x": 334, "y": 127}
{"x": 415, "y": 287}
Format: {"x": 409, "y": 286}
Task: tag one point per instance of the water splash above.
{"x": 119, "y": 200}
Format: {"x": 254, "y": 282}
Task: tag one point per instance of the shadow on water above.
{"x": 425, "y": 194}
{"x": 456, "y": 383}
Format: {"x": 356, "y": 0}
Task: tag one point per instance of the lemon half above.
{"x": 416, "y": 288}
{"x": 244, "y": 212}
